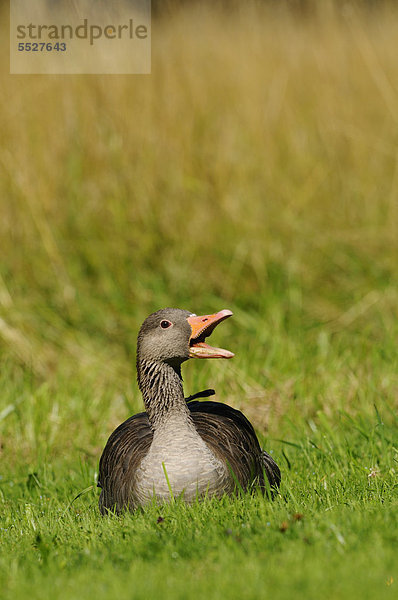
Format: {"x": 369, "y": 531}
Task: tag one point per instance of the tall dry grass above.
{"x": 256, "y": 168}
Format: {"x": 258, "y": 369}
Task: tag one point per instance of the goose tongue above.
{"x": 202, "y": 327}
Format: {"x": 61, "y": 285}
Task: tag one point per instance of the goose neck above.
{"x": 162, "y": 391}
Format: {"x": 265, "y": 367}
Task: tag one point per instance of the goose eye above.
{"x": 165, "y": 324}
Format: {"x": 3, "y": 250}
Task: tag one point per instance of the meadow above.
{"x": 255, "y": 169}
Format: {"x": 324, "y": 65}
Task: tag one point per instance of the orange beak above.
{"x": 202, "y": 327}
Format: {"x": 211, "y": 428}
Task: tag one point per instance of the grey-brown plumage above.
{"x": 194, "y": 448}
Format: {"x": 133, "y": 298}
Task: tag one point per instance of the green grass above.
{"x": 265, "y": 181}
{"x": 332, "y": 532}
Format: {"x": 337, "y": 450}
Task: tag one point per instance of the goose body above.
{"x": 193, "y": 449}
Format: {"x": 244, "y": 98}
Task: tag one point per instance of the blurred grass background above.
{"x": 256, "y": 169}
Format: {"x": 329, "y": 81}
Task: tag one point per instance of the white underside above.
{"x": 180, "y": 463}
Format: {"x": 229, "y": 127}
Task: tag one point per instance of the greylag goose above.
{"x": 179, "y": 447}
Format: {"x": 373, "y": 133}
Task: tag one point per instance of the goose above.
{"x": 180, "y": 446}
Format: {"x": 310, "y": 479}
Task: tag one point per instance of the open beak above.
{"x": 202, "y": 327}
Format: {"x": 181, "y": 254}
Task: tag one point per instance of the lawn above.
{"x": 256, "y": 169}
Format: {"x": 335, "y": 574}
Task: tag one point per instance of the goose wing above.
{"x": 125, "y": 449}
{"x": 232, "y": 439}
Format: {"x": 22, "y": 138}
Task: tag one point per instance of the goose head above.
{"x": 172, "y": 336}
